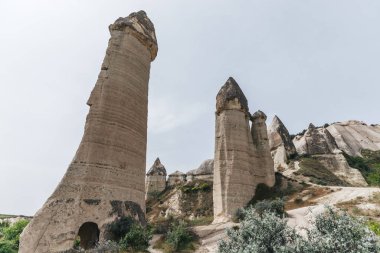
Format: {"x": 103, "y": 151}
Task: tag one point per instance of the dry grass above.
{"x": 306, "y": 198}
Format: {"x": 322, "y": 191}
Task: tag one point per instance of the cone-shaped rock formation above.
{"x": 155, "y": 179}
{"x": 237, "y": 160}
{"x": 106, "y": 177}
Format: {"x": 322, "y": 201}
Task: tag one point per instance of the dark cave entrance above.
{"x": 89, "y": 235}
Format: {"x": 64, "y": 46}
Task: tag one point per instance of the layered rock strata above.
{"x": 238, "y": 161}
{"x": 319, "y": 143}
{"x": 155, "y": 179}
{"x": 262, "y": 159}
{"x": 281, "y": 144}
{"x": 106, "y": 178}
{"x": 354, "y": 136}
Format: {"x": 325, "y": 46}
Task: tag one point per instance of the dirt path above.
{"x": 303, "y": 217}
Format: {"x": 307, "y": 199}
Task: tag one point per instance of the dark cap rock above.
{"x": 230, "y": 91}
{"x": 157, "y": 169}
{"x": 142, "y": 28}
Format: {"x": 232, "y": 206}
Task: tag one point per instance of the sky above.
{"x": 305, "y": 61}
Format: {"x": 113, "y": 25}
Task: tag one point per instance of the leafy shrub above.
{"x": 276, "y": 206}
{"x": 120, "y": 227}
{"x": 374, "y": 226}
{"x": 267, "y": 233}
{"x": 368, "y": 165}
{"x": 12, "y": 233}
{"x": 137, "y": 239}
{"x": 178, "y": 236}
{"x": 339, "y": 232}
{"x": 264, "y": 233}
{"x": 7, "y": 247}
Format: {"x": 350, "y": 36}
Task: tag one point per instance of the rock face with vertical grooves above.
{"x": 237, "y": 159}
{"x": 262, "y": 159}
{"x": 281, "y": 145}
{"x": 155, "y": 178}
{"x": 106, "y": 178}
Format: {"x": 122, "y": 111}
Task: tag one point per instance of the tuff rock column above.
{"x": 106, "y": 178}
{"x": 155, "y": 179}
{"x": 234, "y": 183}
{"x": 262, "y": 159}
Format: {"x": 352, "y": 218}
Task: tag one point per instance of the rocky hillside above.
{"x": 343, "y": 153}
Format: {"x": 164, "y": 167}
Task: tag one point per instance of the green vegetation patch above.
{"x": 179, "y": 238}
{"x": 10, "y": 235}
{"x": 368, "y": 165}
{"x": 318, "y": 174}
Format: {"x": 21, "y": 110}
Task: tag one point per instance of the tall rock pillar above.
{"x": 106, "y": 178}
{"x": 262, "y": 160}
{"x": 234, "y": 183}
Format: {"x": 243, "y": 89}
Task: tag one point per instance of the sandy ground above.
{"x": 302, "y": 217}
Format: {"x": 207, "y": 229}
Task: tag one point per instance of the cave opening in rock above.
{"x": 89, "y": 235}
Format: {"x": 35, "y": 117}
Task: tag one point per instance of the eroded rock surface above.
{"x": 238, "y": 166}
{"x": 354, "y": 136}
{"x": 106, "y": 177}
{"x": 319, "y": 143}
{"x": 281, "y": 144}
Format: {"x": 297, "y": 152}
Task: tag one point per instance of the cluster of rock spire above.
{"x": 106, "y": 179}
{"x": 242, "y": 157}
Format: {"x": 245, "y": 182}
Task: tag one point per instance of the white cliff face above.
{"x": 315, "y": 141}
{"x": 354, "y": 136}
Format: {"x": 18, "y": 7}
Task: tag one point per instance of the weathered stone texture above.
{"x": 109, "y": 166}
{"x": 262, "y": 159}
{"x": 315, "y": 141}
{"x": 155, "y": 178}
{"x": 176, "y": 177}
{"x": 354, "y": 136}
{"x": 237, "y": 161}
{"x": 205, "y": 171}
{"x": 280, "y": 143}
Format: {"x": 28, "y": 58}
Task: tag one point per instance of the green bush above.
{"x": 120, "y": 227}
{"x": 332, "y": 232}
{"x": 137, "y": 239}
{"x": 368, "y": 165}
{"x": 276, "y": 206}
{"x": 12, "y": 233}
{"x": 374, "y": 226}
{"x": 264, "y": 233}
{"x": 7, "y": 247}
{"x": 178, "y": 236}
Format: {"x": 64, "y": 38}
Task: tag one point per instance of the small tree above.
{"x": 178, "y": 236}
{"x": 137, "y": 239}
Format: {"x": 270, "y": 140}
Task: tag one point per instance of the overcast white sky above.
{"x": 306, "y": 61}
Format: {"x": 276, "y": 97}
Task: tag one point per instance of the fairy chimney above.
{"x": 242, "y": 155}
{"x": 155, "y": 179}
{"x": 106, "y": 178}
